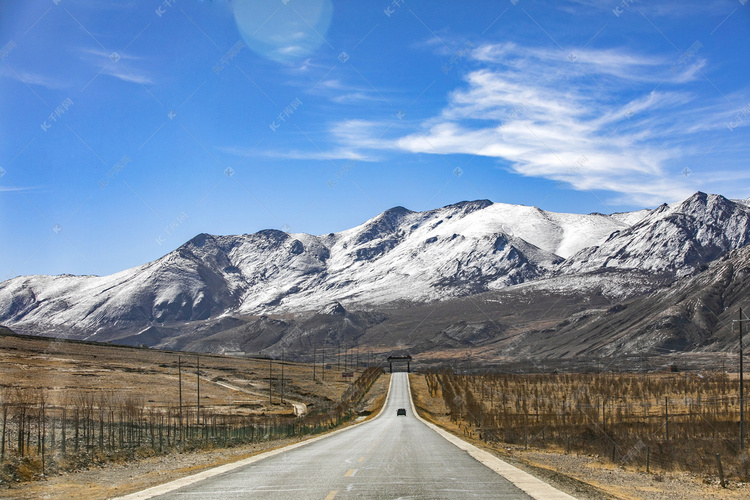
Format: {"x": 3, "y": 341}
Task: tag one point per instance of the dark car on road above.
{"x": 401, "y": 411}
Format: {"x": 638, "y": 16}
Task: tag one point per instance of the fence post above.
{"x": 721, "y": 471}
{"x": 666, "y": 416}
{"x": 64, "y": 421}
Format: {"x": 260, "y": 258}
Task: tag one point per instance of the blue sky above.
{"x": 130, "y": 126}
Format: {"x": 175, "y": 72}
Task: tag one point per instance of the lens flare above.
{"x": 283, "y": 30}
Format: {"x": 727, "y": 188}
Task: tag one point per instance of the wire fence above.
{"x": 39, "y": 437}
{"x": 648, "y": 421}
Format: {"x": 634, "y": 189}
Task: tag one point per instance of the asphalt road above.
{"x": 388, "y": 457}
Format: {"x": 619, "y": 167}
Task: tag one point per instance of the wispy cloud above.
{"x": 33, "y": 78}
{"x": 345, "y": 93}
{"x": 664, "y": 8}
{"x": 102, "y": 55}
{"x": 334, "y": 154}
{"x": 126, "y": 75}
{"x": 122, "y": 66}
{"x": 591, "y": 119}
{"x": 576, "y": 63}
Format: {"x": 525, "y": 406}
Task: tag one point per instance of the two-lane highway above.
{"x": 388, "y": 457}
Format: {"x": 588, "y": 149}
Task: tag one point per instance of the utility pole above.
{"x": 357, "y": 358}
{"x": 179, "y": 378}
{"x": 270, "y": 374}
{"x": 666, "y": 416}
{"x": 282, "y": 376}
{"x": 742, "y": 390}
{"x": 198, "y": 374}
{"x": 313, "y": 363}
{"x": 742, "y": 384}
{"x": 324, "y": 364}
{"x": 338, "y": 357}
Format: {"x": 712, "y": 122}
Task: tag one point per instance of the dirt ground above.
{"x": 585, "y": 477}
{"x": 114, "y": 480}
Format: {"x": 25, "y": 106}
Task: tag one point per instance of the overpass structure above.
{"x": 392, "y": 359}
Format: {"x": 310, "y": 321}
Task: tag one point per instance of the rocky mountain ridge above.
{"x": 397, "y": 258}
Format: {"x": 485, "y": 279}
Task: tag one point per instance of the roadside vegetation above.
{"x": 650, "y": 422}
{"x": 68, "y": 406}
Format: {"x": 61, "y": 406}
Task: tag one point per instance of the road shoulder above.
{"x": 532, "y": 486}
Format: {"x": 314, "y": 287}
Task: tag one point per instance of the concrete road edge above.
{"x": 176, "y": 484}
{"x": 532, "y": 486}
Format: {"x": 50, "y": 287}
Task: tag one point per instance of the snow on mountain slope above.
{"x": 180, "y": 286}
{"x": 559, "y": 233}
{"x": 399, "y": 255}
{"x": 679, "y": 238}
{"x": 463, "y": 248}
{"x": 630, "y": 218}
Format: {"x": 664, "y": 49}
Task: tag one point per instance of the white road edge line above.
{"x": 176, "y": 484}
{"x": 535, "y": 488}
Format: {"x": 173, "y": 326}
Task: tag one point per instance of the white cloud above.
{"x": 31, "y": 78}
{"x": 595, "y": 120}
{"x": 104, "y": 55}
{"x": 579, "y": 63}
{"x": 122, "y": 73}
{"x": 335, "y": 154}
{"x": 345, "y": 93}
{"x": 290, "y": 50}
{"x": 664, "y": 8}
{"x": 114, "y": 64}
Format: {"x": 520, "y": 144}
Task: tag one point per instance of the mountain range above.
{"x": 506, "y": 280}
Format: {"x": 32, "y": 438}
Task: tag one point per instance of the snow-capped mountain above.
{"x": 678, "y": 239}
{"x": 399, "y": 256}
{"x": 694, "y": 314}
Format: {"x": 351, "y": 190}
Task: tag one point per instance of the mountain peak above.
{"x": 333, "y": 309}
{"x": 473, "y": 205}
{"x": 396, "y": 212}
{"x": 704, "y": 199}
{"x": 199, "y": 240}
{"x": 384, "y": 224}
{"x": 677, "y": 239}
{"x": 714, "y": 206}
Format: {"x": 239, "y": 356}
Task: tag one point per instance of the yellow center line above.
{"x": 331, "y": 495}
{"x": 361, "y": 459}
{"x": 349, "y": 473}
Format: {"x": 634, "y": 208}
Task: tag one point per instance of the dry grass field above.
{"x": 66, "y": 405}
{"x": 233, "y": 384}
{"x": 624, "y": 447}
{"x": 120, "y": 478}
